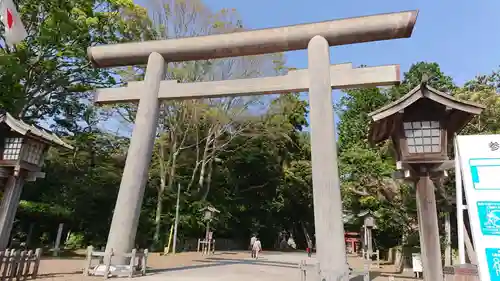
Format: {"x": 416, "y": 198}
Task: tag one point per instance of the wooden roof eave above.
{"x": 383, "y": 118}
{"x": 382, "y": 129}
{"x": 419, "y": 92}
{"x": 32, "y": 131}
{"x": 457, "y": 127}
{"x": 397, "y": 105}
{"x": 452, "y": 102}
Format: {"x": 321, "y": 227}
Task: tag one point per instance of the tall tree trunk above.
{"x": 306, "y": 234}
{"x": 170, "y": 166}
{"x": 204, "y": 161}
{"x": 159, "y": 210}
{"x": 210, "y": 168}
{"x": 197, "y": 162}
{"x": 447, "y": 230}
{"x": 173, "y": 168}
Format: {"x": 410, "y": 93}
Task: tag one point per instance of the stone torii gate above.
{"x": 318, "y": 79}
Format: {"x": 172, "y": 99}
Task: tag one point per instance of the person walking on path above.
{"x": 252, "y": 242}
{"x": 257, "y": 247}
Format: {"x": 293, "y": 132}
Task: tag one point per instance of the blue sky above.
{"x": 459, "y": 35}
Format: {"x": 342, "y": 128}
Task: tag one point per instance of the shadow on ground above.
{"x": 58, "y": 274}
{"x": 213, "y": 262}
{"x": 406, "y": 277}
{"x": 225, "y": 253}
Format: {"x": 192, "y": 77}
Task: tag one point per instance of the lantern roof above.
{"x": 211, "y": 209}
{"x": 365, "y": 213}
{"x": 458, "y": 112}
{"x": 32, "y": 131}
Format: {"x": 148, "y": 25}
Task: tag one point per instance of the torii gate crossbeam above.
{"x": 341, "y": 76}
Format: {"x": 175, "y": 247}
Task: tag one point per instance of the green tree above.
{"x": 48, "y": 74}
{"x": 84, "y": 181}
{"x": 207, "y": 125}
{"x": 49, "y": 78}
{"x": 437, "y": 79}
{"x": 483, "y": 90}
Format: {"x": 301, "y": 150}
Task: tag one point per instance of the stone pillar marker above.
{"x": 319, "y": 79}
{"x": 57, "y": 243}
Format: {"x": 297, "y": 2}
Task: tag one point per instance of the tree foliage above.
{"x": 247, "y": 156}
{"x": 244, "y": 155}
{"x": 48, "y": 74}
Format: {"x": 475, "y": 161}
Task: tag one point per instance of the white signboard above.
{"x": 479, "y": 157}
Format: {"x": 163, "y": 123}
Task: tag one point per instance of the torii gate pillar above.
{"x": 123, "y": 229}
{"x": 325, "y": 172}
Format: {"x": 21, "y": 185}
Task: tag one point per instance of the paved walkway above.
{"x": 269, "y": 267}
{"x": 223, "y": 266}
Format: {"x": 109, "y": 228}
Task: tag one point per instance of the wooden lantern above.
{"x": 421, "y": 124}
{"x": 23, "y": 146}
{"x": 209, "y": 212}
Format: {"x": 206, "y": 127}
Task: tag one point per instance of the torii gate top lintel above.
{"x": 255, "y": 42}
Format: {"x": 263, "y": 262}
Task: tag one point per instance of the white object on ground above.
{"x": 114, "y": 270}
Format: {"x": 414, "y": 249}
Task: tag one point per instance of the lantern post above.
{"x": 421, "y": 124}
{"x": 208, "y": 215}
{"x": 22, "y": 153}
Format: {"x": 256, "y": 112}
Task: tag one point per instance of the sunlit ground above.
{"x": 230, "y": 266}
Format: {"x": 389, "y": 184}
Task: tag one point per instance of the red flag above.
{"x": 14, "y": 28}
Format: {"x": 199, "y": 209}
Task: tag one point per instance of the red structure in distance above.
{"x": 352, "y": 241}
